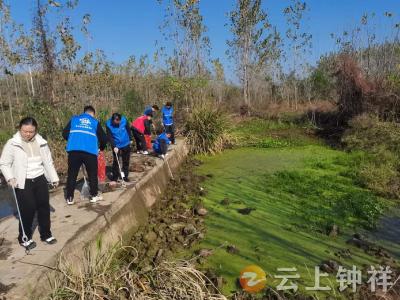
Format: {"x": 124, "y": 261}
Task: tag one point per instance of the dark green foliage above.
{"x": 103, "y": 115}
{"x": 51, "y": 121}
{"x": 132, "y": 104}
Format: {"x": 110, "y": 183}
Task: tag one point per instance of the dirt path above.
{"x": 81, "y": 223}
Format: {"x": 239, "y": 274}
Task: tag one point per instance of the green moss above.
{"x": 297, "y": 193}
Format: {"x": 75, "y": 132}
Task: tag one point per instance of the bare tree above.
{"x": 219, "y": 79}
{"x": 251, "y": 43}
{"x": 299, "y": 42}
{"x": 45, "y": 46}
{"x": 183, "y": 24}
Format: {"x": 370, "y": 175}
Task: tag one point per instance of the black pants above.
{"x": 125, "y": 153}
{"x": 140, "y": 141}
{"x": 170, "y": 129}
{"x": 75, "y": 161}
{"x": 34, "y": 198}
{"x": 163, "y": 147}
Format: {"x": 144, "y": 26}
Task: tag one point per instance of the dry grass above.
{"x": 101, "y": 275}
{"x": 207, "y": 131}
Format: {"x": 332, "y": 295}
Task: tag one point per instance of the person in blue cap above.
{"x": 84, "y": 136}
{"x": 151, "y": 109}
{"x": 168, "y": 120}
{"x": 119, "y": 136}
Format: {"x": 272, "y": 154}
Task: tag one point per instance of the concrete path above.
{"x": 70, "y": 224}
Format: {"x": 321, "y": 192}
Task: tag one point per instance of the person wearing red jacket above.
{"x": 139, "y": 129}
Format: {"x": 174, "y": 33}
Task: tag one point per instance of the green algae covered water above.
{"x": 289, "y": 207}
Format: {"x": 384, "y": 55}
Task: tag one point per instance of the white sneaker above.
{"x": 70, "y": 201}
{"x": 50, "y": 241}
{"x": 137, "y": 152}
{"x": 145, "y": 152}
{"x": 162, "y": 156}
{"x": 28, "y": 245}
{"x": 96, "y": 198}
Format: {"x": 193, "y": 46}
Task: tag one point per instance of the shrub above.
{"x": 380, "y": 174}
{"x": 381, "y": 140}
{"x": 51, "y": 121}
{"x": 368, "y": 133}
{"x": 207, "y": 131}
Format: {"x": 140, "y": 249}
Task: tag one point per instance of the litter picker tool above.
{"x": 169, "y": 169}
{"x": 120, "y": 171}
{"x": 24, "y": 236}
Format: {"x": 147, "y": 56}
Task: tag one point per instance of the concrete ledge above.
{"x": 79, "y": 226}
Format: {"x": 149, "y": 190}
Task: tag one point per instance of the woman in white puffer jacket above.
{"x": 27, "y": 165}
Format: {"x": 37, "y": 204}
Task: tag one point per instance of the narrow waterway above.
{"x": 7, "y": 205}
{"x": 293, "y": 207}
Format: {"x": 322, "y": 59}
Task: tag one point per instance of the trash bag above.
{"x": 101, "y": 167}
{"x": 85, "y": 191}
{"x": 148, "y": 142}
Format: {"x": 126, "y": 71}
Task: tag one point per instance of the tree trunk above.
{"x": 32, "y": 87}
{"x": 16, "y": 89}
{"x": 2, "y": 110}
{"x": 245, "y": 84}
{"x": 10, "y": 107}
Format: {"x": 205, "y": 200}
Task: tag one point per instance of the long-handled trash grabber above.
{"x": 123, "y": 184}
{"x": 24, "y": 236}
{"x": 169, "y": 169}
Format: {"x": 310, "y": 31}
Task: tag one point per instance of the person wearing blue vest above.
{"x": 160, "y": 145}
{"x": 119, "y": 137}
{"x": 84, "y": 136}
{"x": 168, "y": 120}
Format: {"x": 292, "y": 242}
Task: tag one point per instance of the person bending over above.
{"x": 84, "y": 136}
{"x": 119, "y": 137}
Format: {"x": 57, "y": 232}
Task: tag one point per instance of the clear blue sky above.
{"x": 125, "y": 27}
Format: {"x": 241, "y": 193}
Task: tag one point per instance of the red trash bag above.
{"x": 148, "y": 141}
{"x": 101, "y": 166}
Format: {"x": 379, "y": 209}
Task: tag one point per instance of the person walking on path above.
{"x": 119, "y": 137}
{"x": 84, "y": 136}
{"x": 27, "y": 165}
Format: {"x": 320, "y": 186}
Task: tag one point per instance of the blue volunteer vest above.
{"x": 83, "y": 134}
{"x": 168, "y": 116}
{"x": 120, "y": 135}
{"x": 157, "y": 142}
